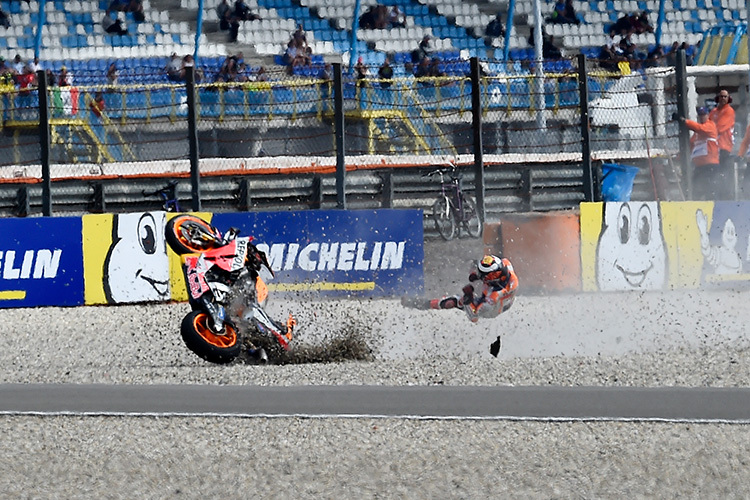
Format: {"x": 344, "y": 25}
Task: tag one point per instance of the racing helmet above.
{"x": 492, "y": 268}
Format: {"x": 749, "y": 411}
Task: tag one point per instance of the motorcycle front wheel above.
{"x": 445, "y": 223}
{"x": 187, "y": 233}
{"x": 200, "y": 339}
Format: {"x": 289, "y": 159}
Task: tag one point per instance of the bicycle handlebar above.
{"x": 166, "y": 190}
{"x": 453, "y": 170}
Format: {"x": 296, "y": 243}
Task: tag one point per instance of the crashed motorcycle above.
{"x": 226, "y": 278}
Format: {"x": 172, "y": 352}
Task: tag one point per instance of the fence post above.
{"x": 338, "y": 125}
{"x": 682, "y": 111}
{"x": 44, "y": 143}
{"x": 195, "y": 177}
{"x": 476, "y": 113}
{"x": 588, "y": 172}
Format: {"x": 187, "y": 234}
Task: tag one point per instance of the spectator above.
{"x": 300, "y": 37}
{"x": 641, "y": 25}
{"x": 174, "y": 68}
{"x": 6, "y": 76}
{"x": 723, "y": 116}
{"x": 689, "y": 53}
{"x": 624, "y": 25}
{"x": 360, "y": 71}
{"x": 325, "y": 75}
{"x": 260, "y": 75}
{"x": 655, "y": 57}
{"x": 563, "y": 13}
{"x": 434, "y": 68}
{"x": 224, "y": 13}
{"x": 26, "y": 80}
{"x": 136, "y": 8}
{"x": 423, "y": 71}
{"x": 96, "y": 105}
{"x": 243, "y": 12}
{"x": 112, "y": 74}
{"x": 189, "y": 62}
{"x": 51, "y": 78}
{"x": 17, "y": 65}
{"x": 611, "y": 41}
{"x": 4, "y": 19}
{"x": 705, "y": 156}
{"x": 112, "y": 24}
{"x": 376, "y": 17}
{"x": 609, "y": 59}
{"x": 385, "y": 73}
{"x": 367, "y": 20}
{"x": 570, "y": 12}
{"x": 64, "y": 78}
{"x": 424, "y": 50}
{"x": 495, "y": 28}
{"x": 549, "y": 49}
{"x": 119, "y": 5}
{"x": 396, "y": 18}
{"x": 229, "y": 71}
{"x": 295, "y": 55}
{"x": 35, "y": 65}
{"x": 228, "y": 21}
{"x": 409, "y": 74}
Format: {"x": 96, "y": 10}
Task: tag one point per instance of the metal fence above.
{"x": 496, "y": 123}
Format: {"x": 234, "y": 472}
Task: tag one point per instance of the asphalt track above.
{"x": 668, "y": 404}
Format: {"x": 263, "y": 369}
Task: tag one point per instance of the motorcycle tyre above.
{"x": 220, "y": 349}
{"x": 471, "y": 218}
{"x": 178, "y": 244}
{"x": 445, "y": 223}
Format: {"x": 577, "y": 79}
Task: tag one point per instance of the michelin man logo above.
{"x": 137, "y": 267}
{"x": 631, "y": 254}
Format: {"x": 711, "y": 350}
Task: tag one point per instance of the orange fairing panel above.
{"x": 261, "y": 290}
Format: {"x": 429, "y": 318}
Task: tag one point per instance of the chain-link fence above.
{"x": 127, "y": 120}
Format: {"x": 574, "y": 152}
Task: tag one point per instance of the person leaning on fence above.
{"x": 723, "y": 116}
{"x": 704, "y": 154}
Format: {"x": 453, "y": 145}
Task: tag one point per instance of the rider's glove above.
{"x": 473, "y": 276}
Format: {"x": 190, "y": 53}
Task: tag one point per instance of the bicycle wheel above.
{"x": 444, "y": 220}
{"x": 470, "y": 218}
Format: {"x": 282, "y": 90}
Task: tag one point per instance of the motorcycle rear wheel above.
{"x": 200, "y": 339}
{"x": 471, "y": 218}
{"x": 187, "y": 233}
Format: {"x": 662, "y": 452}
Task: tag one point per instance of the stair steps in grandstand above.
{"x": 724, "y": 44}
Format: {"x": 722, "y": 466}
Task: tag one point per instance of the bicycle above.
{"x": 168, "y": 194}
{"x": 453, "y": 209}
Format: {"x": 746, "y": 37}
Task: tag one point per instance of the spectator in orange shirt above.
{"x": 710, "y": 179}
{"x": 723, "y": 116}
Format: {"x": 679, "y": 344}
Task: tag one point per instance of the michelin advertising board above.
{"x": 41, "y": 263}
{"x": 123, "y": 258}
{"x": 667, "y": 245}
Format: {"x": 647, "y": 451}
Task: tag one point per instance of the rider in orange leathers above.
{"x": 492, "y": 294}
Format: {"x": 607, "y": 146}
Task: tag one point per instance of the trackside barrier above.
{"x": 123, "y": 258}
{"x": 638, "y": 246}
{"x": 628, "y": 246}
